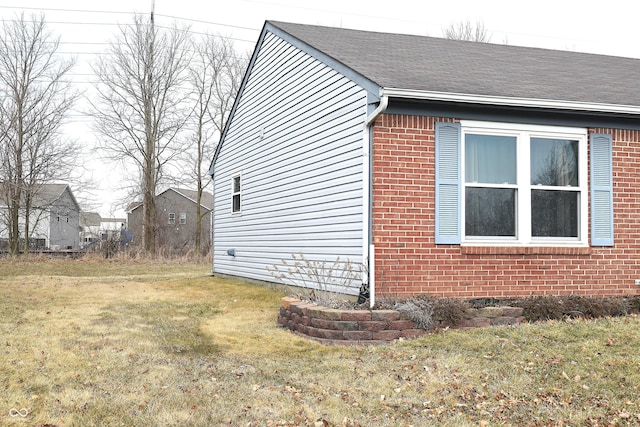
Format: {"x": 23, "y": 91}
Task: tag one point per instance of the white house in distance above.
{"x": 95, "y": 228}
{"x": 89, "y": 227}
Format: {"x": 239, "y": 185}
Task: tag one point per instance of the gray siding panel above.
{"x": 296, "y": 139}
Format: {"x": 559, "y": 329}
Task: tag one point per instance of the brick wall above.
{"x": 408, "y": 262}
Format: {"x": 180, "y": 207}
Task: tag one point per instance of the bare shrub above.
{"x": 428, "y": 311}
{"x": 450, "y": 311}
{"x": 419, "y": 311}
{"x": 327, "y": 282}
{"x": 571, "y": 306}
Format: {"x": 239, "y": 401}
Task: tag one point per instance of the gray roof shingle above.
{"x": 90, "y": 219}
{"x": 206, "y": 199}
{"x": 432, "y": 64}
{"x": 48, "y": 194}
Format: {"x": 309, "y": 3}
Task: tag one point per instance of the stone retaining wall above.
{"x": 374, "y": 326}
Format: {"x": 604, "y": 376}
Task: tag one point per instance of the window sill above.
{"x": 525, "y": 250}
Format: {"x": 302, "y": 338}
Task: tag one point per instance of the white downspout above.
{"x": 368, "y": 249}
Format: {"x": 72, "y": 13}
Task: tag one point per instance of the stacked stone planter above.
{"x": 375, "y": 326}
{"x": 345, "y": 326}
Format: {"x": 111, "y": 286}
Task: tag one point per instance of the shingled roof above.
{"x": 48, "y": 194}
{"x": 436, "y": 65}
{"x": 206, "y": 198}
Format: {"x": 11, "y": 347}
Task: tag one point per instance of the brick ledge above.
{"x": 525, "y": 250}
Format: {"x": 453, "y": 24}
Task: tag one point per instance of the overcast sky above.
{"x": 609, "y": 28}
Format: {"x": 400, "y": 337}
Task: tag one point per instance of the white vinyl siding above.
{"x": 296, "y": 138}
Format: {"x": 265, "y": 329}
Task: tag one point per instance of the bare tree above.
{"x": 216, "y": 74}
{"x": 35, "y": 99}
{"x": 467, "y": 31}
{"x": 141, "y": 104}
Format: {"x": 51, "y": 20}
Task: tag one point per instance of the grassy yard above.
{"x": 109, "y": 343}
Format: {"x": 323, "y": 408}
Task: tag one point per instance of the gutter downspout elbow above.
{"x": 384, "y": 103}
{"x": 369, "y": 247}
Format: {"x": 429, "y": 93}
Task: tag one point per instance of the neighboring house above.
{"x": 111, "y": 228}
{"x": 54, "y": 220}
{"x": 450, "y": 168}
{"x": 175, "y": 219}
{"x": 94, "y": 228}
{"x": 89, "y": 227}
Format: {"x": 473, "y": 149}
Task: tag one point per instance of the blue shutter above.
{"x": 601, "y": 190}
{"x": 447, "y": 183}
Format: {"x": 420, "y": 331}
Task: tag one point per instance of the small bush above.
{"x": 427, "y": 311}
{"x": 539, "y": 308}
{"x": 633, "y": 303}
{"x": 419, "y": 311}
{"x": 324, "y": 280}
{"x": 450, "y": 311}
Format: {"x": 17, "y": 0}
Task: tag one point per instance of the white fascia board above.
{"x": 510, "y": 102}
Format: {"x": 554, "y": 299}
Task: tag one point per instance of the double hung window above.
{"x": 236, "y": 193}
{"x": 523, "y": 184}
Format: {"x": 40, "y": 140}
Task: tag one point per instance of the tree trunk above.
{"x": 198, "y": 219}
{"x": 149, "y": 211}
{"x": 14, "y": 231}
{"x": 27, "y": 231}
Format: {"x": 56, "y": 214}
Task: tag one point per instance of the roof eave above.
{"x": 510, "y": 101}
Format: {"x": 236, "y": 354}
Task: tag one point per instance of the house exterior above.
{"x": 89, "y": 227}
{"x": 54, "y": 220}
{"x": 176, "y": 219}
{"x": 111, "y": 228}
{"x": 444, "y": 167}
{"x": 94, "y": 228}
{"x": 57, "y": 216}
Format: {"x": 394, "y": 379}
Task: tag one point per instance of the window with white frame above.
{"x": 524, "y": 184}
{"x": 236, "y": 194}
{"x": 172, "y": 218}
{"x": 183, "y": 218}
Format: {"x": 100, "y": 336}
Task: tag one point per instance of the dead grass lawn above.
{"x": 97, "y": 343}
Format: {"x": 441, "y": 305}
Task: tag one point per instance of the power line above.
{"x": 49, "y": 9}
{"x": 210, "y": 23}
{"x": 220, "y": 24}
{"x": 113, "y": 24}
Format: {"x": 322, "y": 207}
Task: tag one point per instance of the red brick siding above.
{"x": 408, "y": 262}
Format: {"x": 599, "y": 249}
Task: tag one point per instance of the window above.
{"x": 172, "y": 218}
{"x": 236, "y": 192}
{"x": 183, "y": 218}
{"x": 512, "y": 184}
{"x": 490, "y": 185}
